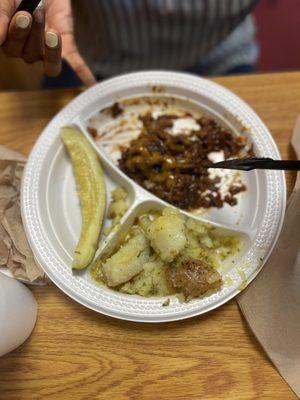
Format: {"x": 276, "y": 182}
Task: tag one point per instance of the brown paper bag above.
{"x": 271, "y": 304}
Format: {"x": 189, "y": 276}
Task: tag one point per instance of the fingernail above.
{"x": 51, "y": 39}
{"x": 23, "y": 21}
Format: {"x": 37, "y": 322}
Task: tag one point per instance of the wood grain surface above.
{"x": 75, "y": 353}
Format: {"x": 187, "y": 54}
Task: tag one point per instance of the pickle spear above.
{"x": 91, "y": 189}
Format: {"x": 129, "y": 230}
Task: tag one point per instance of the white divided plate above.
{"x": 50, "y": 205}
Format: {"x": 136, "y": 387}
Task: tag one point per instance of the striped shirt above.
{"x": 117, "y": 36}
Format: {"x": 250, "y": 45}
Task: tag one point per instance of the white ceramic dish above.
{"x": 50, "y": 206}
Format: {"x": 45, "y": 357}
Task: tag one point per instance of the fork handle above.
{"x": 28, "y": 5}
{"x": 248, "y": 164}
{"x": 268, "y": 163}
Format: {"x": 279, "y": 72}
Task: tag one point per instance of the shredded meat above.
{"x": 116, "y": 110}
{"x": 92, "y": 131}
{"x": 194, "y": 277}
{"x": 174, "y": 167}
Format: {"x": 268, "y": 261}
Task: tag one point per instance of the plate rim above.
{"x": 151, "y": 76}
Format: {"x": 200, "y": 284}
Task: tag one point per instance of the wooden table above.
{"x": 75, "y": 353}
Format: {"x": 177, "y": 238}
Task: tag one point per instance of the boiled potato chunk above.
{"x": 119, "y": 194}
{"x": 127, "y": 262}
{"x": 150, "y": 282}
{"x": 167, "y": 234}
{"x": 117, "y": 209}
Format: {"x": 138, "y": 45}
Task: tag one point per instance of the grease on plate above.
{"x": 221, "y": 186}
{"x": 166, "y": 253}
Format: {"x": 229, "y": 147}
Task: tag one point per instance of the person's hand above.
{"x": 47, "y": 36}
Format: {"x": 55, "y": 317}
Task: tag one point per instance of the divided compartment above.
{"x": 111, "y": 243}
{"x": 247, "y": 213}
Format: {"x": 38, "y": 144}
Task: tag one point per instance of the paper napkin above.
{"x": 15, "y": 253}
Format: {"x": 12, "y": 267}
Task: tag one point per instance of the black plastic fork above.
{"x": 248, "y": 164}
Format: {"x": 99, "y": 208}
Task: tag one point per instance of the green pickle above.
{"x": 91, "y": 190}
